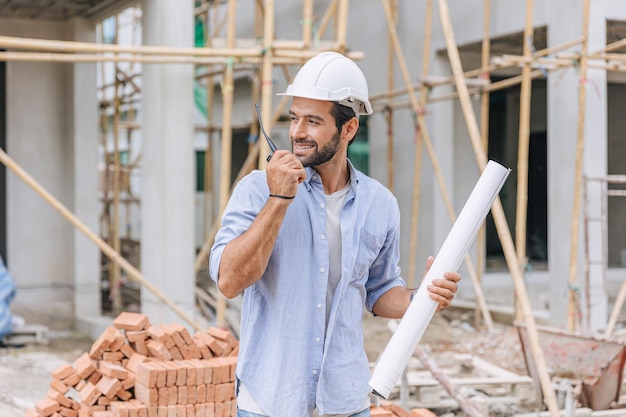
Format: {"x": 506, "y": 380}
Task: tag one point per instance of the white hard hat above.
{"x": 331, "y": 76}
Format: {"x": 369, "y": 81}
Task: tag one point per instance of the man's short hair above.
{"x": 342, "y": 114}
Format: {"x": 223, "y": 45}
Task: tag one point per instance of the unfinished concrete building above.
{"x": 49, "y": 125}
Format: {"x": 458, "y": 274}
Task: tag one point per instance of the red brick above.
{"x": 175, "y": 353}
{"x": 141, "y": 347}
{"x": 60, "y": 398}
{"x": 129, "y": 382}
{"x": 72, "y": 379}
{"x": 181, "y": 395}
{"x": 58, "y": 385}
{"x": 158, "y": 333}
{"x": 158, "y": 350}
{"x": 134, "y": 361}
{"x": 192, "y": 394}
{"x": 30, "y": 412}
{"x": 63, "y": 371}
{"x": 152, "y": 411}
{"x": 103, "y": 414}
{"x": 191, "y": 410}
{"x": 148, "y": 396}
{"x": 210, "y": 393}
{"x": 162, "y": 393}
{"x": 422, "y": 412}
{"x": 131, "y": 321}
{"x": 171, "y": 373}
{"x": 68, "y": 412}
{"x": 104, "y": 401}
{"x": 172, "y": 395}
{"x": 147, "y": 374}
{"x": 205, "y": 352}
{"x": 108, "y": 386}
{"x": 84, "y": 366}
{"x": 127, "y": 350}
{"x": 102, "y": 343}
{"x": 94, "y": 377}
{"x": 134, "y": 335}
{"x": 209, "y": 410}
{"x": 80, "y": 385}
{"x": 162, "y": 411}
{"x": 89, "y": 394}
{"x": 181, "y": 410}
{"x": 200, "y": 410}
{"x": 123, "y": 394}
{"x": 117, "y": 343}
{"x": 47, "y": 406}
{"x": 210, "y": 341}
{"x": 114, "y": 371}
{"x": 112, "y": 356}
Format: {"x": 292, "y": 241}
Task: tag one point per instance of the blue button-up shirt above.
{"x": 288, "y": 360}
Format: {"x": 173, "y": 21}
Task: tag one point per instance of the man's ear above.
{"x": 349, "y": 129}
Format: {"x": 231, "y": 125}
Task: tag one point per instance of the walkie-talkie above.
{"x": 273, "y": 147}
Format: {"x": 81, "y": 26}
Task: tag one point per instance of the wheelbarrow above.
{"x": 597, "y": 363}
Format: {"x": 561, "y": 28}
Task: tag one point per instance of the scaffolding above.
{"x": 222, "y": 55}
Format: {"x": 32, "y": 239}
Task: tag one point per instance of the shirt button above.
{"x": 317, "y": 339}
{"x": 322, "y": 237}
{"x": 322, "y": 269}
{"x": 314, "y": 371}
{"x": 314, "y": 177}
{"x": 319, "y": 305}
{"x": 322, "y": 205}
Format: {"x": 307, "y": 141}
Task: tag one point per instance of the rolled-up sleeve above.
{"x": 384, "y": 273}
{"x": 244, "y": 205}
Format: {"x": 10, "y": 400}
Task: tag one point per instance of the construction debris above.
{"x": 137, "y": 369}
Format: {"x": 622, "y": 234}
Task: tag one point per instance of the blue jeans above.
{"x": 241, "y": 413}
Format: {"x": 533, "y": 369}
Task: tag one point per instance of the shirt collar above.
{"x": 312, "y": 177}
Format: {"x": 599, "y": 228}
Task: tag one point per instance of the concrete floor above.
{"x": 25, "y": 372}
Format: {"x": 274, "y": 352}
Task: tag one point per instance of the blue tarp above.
{"x": 7, "y": 292}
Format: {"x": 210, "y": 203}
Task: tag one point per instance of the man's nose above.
{"x": 298, "y": 129}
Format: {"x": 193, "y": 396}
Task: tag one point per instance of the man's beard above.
{"x": 322, "y": 155}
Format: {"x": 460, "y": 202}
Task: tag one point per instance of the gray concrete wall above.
{"x": 40, "y": 241}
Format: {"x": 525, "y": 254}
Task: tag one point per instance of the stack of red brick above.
{"x": 135, "y": 369}
{"x": 391, "y": 409}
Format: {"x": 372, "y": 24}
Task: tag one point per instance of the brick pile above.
{"x": 390, "y": 409}
{"x": 135, "y": 369}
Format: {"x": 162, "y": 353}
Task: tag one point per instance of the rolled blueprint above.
{"x": 411, "y": 328}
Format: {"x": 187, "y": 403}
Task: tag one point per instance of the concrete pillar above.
{"x": 564, "y": 24}
{"x": 167, "y": 200}
{"x": 83, "y": 125}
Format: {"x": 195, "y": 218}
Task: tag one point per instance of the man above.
{"x": 312, "y": 242}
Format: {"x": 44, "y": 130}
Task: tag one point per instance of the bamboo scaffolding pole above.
{"x": 481, "y": 238}
{"x": 419, "y": 146}
{"x": 307, "y": 23}
{"x": 457, "y": 394}
{"x": 132, "y": 272}
{"x": 573, "y": 309}
{"x": 498, "y": 85}
{"x": 389, "y": 111}
{"x": 342, "y": 26}
{"x": 330, "y": 13}
{"x": 479, "y": 72}
{"x": 523, "y": 144}
{"x": 209, "y": 194}
{"x": 266, "y": 79}
{"x": 280, "y": 58}
{"x": 227, "y": 136}
{"x": 428, "y": 143}
{"x": 498, "y": 212}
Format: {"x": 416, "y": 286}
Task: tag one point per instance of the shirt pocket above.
{"x": 369, "y": 246}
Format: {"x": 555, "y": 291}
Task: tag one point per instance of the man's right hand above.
{"x": 284, "y": 173}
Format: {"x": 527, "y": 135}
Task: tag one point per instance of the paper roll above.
{"x": 411, "y": 328}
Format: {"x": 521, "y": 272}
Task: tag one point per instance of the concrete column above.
{"x": 443, "y": 138}
{"x": 564, "y": 24}
{"x": 595, "y": 305}
{"x": 84, "y": 135}
{"x": 167, "y": 200}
